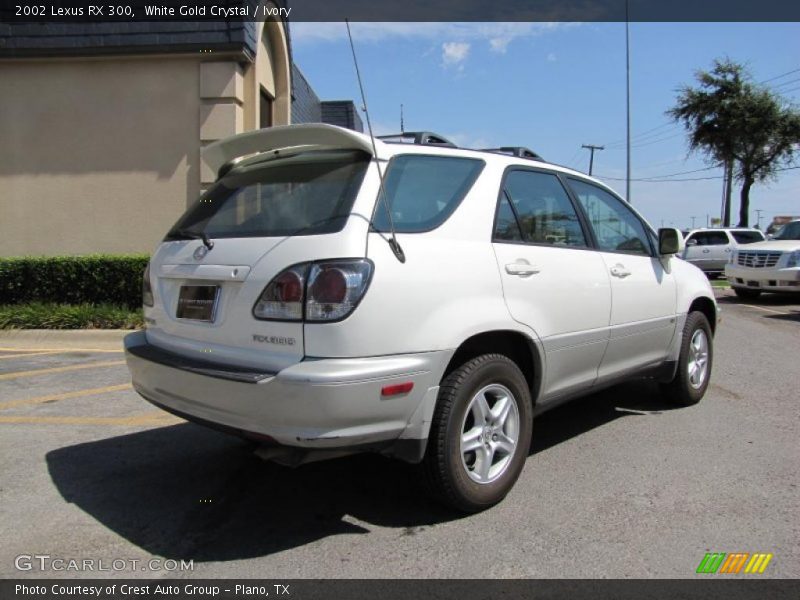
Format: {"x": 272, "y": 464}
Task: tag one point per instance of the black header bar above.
{"x": 98, "y": 11}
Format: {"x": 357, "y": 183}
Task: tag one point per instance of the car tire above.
{"x": 746, "y": 294}
{"x": 480, "y": 434}
{"x": 694, "y": 363}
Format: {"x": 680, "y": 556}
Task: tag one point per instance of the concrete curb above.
{"x": 54, "y": 339}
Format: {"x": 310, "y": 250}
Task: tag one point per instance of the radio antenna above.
{"x": 393, "y": 243}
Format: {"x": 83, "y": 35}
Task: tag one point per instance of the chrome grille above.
{"x": 757, "y": 260}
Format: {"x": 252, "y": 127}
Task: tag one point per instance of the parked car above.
{"x": 771, "y": 266}
{"x": 710, "y": 249}
{"x": 308, "y": 304}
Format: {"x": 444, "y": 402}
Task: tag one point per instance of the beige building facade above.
{"x": 100, "y": 152}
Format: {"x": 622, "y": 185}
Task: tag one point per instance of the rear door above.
{"x": 553, "y": 281}
{"x": 643, "y": 293}
{"x": 260, "y": 220}
{"x": 709, "y": 250}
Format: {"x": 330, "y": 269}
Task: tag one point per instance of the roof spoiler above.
{"x": 315, "y": 136}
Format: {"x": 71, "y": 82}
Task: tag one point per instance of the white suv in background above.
{"x": 308, "y": 304}
{"x": 710, "y": 249}
{"x": 771, "y": 266}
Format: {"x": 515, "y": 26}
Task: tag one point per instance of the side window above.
{"x": 541, "y": 208}
{"x": 710, "y": 238}
{"x": 747, "y": 237}
{"x": 506, "y": 228}
{"x": 615, "y": 226}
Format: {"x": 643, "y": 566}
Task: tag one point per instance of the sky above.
{"x": 555, "y": 86}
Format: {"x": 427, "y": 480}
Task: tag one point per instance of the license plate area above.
{"x": 198, "y": 302}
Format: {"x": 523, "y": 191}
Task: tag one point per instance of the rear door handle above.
{"x": 521, "y": 269}
{"x": 620, "y": 271}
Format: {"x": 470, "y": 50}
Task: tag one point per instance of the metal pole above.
{"x": 628, "y": 103}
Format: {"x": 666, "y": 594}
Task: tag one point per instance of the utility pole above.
{"x": 708, "y": 220}
{"x": 402, "y": 125}
{"x": 591, "y": 148}
{"x": 628, "y": 103}
{"x": 758, "y": 220}
{"x": 693, "y": 218}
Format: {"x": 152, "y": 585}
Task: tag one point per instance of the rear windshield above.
{"x": 747, "y": 237}
{"x": 307, "y": 194}
{"x": 424, "y": 190}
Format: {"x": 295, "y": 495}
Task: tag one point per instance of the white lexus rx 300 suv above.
{"x": 307, "y": 304}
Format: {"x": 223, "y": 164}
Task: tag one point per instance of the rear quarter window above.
{"x": 423, "y": 190}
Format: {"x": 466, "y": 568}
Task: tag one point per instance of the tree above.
{"x": 733, "y": 120}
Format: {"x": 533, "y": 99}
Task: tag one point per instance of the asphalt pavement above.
{"x": 618, "y": 484}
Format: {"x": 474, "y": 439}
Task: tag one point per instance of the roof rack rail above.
{"x": 422, "y": 138}
{"x": 518, "y": 151}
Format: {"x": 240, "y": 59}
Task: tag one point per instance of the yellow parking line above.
{"x": 35, "y": 372}
{"x": 2, "y": 356}
{"x": 153, "y": 418}
{"x": 777, "y": 312}
{"x": 63, "y": 350}
{"x": 54, "y": 397}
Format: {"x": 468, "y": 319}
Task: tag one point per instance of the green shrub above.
{"x": 94, "y": 279}
{"x": 38, "y": 315}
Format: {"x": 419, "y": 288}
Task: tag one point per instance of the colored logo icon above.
{"x": 734, "y": 563}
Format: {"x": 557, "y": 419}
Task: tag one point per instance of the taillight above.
{"x": 147, "y": 289}
{"x": 335, "y": 288}
{"x": 282, "y": 299}
{"x": 319, "y": 292}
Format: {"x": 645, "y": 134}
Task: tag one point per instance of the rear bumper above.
{"x": 709, "y": 265}
{"x": 770, "y": 280}
{"x": 314, "y": 404}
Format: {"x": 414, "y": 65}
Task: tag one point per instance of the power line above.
{"x": 780, "y": 85}
{"x": 643, "y": 139}
{"x": 642, "y": 134}
{"x": 571, "y": 161}
{"x": 650, "y": 143}
{"x": 781, "y": 75}
{"x": 650, "y": 180}
{"x": 683, "y": 172}
{"x": 655, "y": 179}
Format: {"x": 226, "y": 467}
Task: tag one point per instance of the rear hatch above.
{"x": 258, "y": 219}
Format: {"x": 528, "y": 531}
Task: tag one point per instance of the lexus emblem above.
{"x": 200, "y": 252}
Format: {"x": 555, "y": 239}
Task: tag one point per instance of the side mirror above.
{"x": 692, "y": 242}
{"x": 670, "y": 241}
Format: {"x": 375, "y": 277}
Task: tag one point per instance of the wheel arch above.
{"x": 708, "y": 307}
{"x": 518, "y": 347}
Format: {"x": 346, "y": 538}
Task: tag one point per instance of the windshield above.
{"x": 307, "y": 194}
{"x": 790, "y": 231}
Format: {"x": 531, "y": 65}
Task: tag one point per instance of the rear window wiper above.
{"x": 193, "y": 235}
